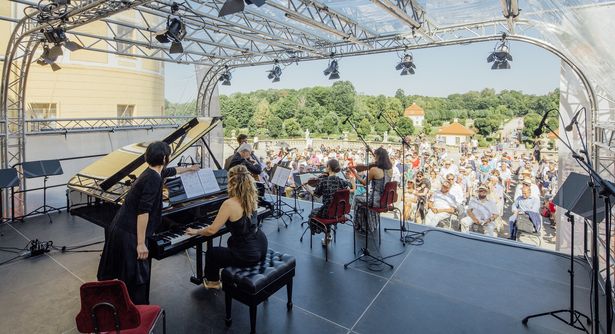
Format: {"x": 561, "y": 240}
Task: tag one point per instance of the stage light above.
{"x": 275, "y": 73}
{"x": 332, "y": 69}
{"x": 225, "y": 77}
{"x": 57, "y": 37}
{"x": 47, "y": 58}
{"x": 175, "y": 31}
{"x": 406, "y": 65}
{"x": 237, "y": 6}
{"x": 500, "y": 57}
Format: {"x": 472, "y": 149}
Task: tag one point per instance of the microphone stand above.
{"x": 364, "y": 252}
{"x": 412, "y": 235}
{"x": 607, "y": 190}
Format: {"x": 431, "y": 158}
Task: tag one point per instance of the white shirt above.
{"x": 530, "y": 204}
{"x": 535, "y": 192}
{"x": 482, "y": 210}
{"x": 452, "y": 169}
{"x": 457, "y": 192}
{"x": 443, "y": 201}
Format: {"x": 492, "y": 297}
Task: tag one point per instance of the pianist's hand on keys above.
{"x": 192, "y": 231}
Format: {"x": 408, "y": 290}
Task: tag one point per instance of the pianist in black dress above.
{"x": 247, "y": 245}
{"x": 125, "y": 255}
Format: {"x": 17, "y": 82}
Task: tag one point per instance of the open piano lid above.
{"x": 109, "y": 177}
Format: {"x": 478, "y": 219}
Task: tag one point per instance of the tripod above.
{"x": 412, "y": 235}
{"x": 364, "y": 252}
{"x": 574, "y": 316}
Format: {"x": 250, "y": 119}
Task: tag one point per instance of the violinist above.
{"x": 378, "y": 175}
{"x": 328, "y": 184}
{"x": 244, "y": 156}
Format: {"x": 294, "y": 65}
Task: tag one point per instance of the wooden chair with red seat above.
{"x": 337, "y": 212}
{"x": 106, "y": 307}
{"x": 387, "y": 204}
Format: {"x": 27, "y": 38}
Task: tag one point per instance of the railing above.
{"x": 110, "y": 124}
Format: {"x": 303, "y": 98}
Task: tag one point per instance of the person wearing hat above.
{"x": 441, "y": 205}
{"x": 481, "y": 211}
{"x": 448, "y": 168}
{"x": 524, "y": 204}
{"x": 526, "y": 180}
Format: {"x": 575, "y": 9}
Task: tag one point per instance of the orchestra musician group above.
{"x": 125, "y": 255}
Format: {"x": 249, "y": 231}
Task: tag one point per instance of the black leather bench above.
{"x": 253, "y": 285}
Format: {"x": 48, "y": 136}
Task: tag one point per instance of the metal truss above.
{"x": 76, "y": 125}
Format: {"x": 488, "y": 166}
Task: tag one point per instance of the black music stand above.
{"x": 280, "y": 184}
{"x": 574, "y": 196}
{"x": 45, "y": 169}
{"x": 8, "y": 179}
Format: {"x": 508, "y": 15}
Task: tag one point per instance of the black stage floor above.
{"x": 450, "y": 284}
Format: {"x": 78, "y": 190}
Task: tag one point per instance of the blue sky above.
{"x": 440, "y": 71}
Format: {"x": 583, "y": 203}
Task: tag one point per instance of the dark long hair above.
{"x": 382, "y": 159}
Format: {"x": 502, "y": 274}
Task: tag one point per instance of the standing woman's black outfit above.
{"x": 247, "y": 246}
{"x": 119, "y": 257}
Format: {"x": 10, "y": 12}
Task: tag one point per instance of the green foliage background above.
{"x": 289, "y": 112}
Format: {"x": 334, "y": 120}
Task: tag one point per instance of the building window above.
{"x": 44, "y": 110}
{"x": 125, "y": 111}
{"x": 124, "y": 33}
{"x": 457, "y": 140}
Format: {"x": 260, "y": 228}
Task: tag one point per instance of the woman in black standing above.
{"x": 247, "y": 244}
{"x": 125, "y": 255}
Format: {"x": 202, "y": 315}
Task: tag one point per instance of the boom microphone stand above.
{"x": 607, "y": 190}
{"x": 364, "y": 252}
{"x": 412, "y": 235}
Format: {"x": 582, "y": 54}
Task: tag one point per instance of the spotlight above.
{"x": 237, "y": 6}
{"x": 175, "y": 31}
{"x": 332, "y": 69}
{"x": 500, "y": 57}
{"x": 47, "y": 58}
{"x": 275, "y": 73}
{"x": 225, "y": 77}
{"x": 57, "y": 36}
{"x": 406, "y": 65}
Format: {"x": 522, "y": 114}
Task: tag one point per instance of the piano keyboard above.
{"x": 170, "y": 242}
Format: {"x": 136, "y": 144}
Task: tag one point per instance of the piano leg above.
{"x": 198, "y": 279}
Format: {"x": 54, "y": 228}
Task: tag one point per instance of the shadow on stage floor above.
{"x": 450, "y": 284}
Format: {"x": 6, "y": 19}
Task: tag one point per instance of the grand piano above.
{"x": 98, "y": 191}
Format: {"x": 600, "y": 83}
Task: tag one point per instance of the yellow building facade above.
{"x": 90, "y": 84}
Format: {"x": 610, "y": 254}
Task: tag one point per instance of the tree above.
{"x": 328, "y": 124}
{"x": 487, "y": 126}
{"x": 261, "y": 114}
{"x": 530, "y": 122}
{"x": 308, "y": 122}
{"x": 405, "y": 126}
{"x": 292, "y": 127}
{"x": 342, "y": 99}
{"x": 401, "y": 95}
{"x": 275, "y": 126}
{"x": 364, "y": 128}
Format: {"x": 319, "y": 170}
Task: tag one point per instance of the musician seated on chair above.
{"x": 328, "y": 184}
{"x": 441, "y": 205}
{"x": 525, "y": 204}
{"x": 244, "y": 156}
{"x": 481, "y": 211}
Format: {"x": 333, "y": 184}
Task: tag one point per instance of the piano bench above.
{"x": 253, "y": 285}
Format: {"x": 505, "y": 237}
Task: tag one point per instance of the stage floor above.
{"x": 450, "y": 284}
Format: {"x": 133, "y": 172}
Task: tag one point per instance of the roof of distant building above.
{"x": 414, "y": 110}
{"x": 455, "y": 129}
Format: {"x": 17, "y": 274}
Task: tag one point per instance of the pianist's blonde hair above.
{"x": 241, "y": 184}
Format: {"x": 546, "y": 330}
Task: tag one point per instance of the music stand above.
{"x": 8, "y": 179}
{"x": 279, "y": 178}
{"x": 574, "y": 196}
{"x": 45, "y": 169}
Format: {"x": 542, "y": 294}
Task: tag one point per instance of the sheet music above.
{"x": 208, "y": 180}
{"x": 192, "y": 184}
{"x": 280, "y": 176}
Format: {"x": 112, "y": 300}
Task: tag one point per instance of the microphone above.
{"x": 380, "y": 114}
{"x": 538, "y": 130}
{"x": 568, "y": 127}
{"x": 346, "y": 120}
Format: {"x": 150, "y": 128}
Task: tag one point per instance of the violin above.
{"x": 313, "y": 182}
{"x": 361, "y": 168}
